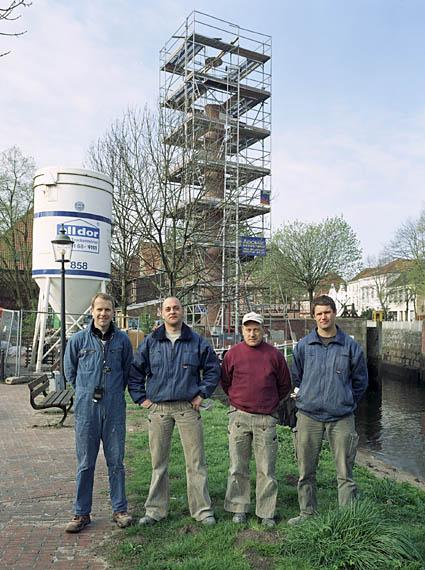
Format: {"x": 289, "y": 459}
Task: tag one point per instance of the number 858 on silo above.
{"x": 78, "y": 265}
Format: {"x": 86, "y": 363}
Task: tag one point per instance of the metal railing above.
{"x": 10, "y": 347}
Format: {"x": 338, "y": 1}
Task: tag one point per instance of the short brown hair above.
{"x": 103, "y": 296}
{"x": 323, "y": 300}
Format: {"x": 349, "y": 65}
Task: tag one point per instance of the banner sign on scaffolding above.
{"x": 265, "y": 197}
{"x": 253, "y": 246}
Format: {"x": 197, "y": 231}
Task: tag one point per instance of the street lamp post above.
{"x": 62, "y": 250}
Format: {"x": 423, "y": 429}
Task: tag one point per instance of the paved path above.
{"x": 37, "y": 472}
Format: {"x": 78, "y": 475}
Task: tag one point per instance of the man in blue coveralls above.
{"x": 97, "y": 363}
{"x": 329, "y": 374}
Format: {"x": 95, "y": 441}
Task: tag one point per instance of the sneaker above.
{"x": 239, "y": 518}
{"x": 298, "y": 519}
{"x": 268, "y": 522}
{"x": 209, "y": 521}
{"x": 78, "y": 523}
{"x": 122, "y": 519}
{"x": 147, "y": 521}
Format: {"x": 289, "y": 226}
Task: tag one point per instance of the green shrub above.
{"x": 353, "y": 538}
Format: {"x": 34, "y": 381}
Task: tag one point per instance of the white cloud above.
{"x": 374, "y": 177}
{"x": 66, "y": 82}
{"x": 82, "y": 63}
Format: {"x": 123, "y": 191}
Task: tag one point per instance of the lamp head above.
{"x": 62, "y": 246}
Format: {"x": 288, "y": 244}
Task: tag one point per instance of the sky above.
{"x": 348, "y": 95}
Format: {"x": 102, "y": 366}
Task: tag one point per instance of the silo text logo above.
{"x": 86, "y": 236}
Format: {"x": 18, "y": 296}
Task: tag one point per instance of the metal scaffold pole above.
{"x": 215, "y": 98}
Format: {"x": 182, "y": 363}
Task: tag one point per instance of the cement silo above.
{"x": 81, "y": 200}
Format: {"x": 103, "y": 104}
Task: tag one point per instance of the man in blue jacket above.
{"x": 329, "y": 374}
{"x": 165, "y": 378}
{"x": 96, "y": 364}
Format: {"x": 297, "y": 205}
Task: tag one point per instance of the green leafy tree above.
{"x": 305, "y": 253}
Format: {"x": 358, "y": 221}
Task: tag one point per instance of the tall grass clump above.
{"x": 352, "y": 538}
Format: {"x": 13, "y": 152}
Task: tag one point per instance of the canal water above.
{"x": 391, "y": 425}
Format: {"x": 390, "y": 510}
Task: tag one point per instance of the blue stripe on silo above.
{"x": 71, "y": 272}
{"x": 74, "y": 214}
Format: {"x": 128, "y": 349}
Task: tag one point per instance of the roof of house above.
{"x": 396, "y": 266}
{"x": 326, "y": 283}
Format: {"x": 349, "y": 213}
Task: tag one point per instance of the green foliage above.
{"x": 383, "y": 529}
{"x": 400, "y": 500}
{"x": 354, "y": 538}
{"x": 146, "y": 322}
{"x": 304, "y": 254}
{"x": 367, "y": 314}
{"x": 28, "y": 324}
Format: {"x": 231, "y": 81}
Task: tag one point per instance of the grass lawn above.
{"x": 384, "y": 529}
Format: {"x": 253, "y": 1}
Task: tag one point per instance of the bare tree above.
{"x": 9, "y": 14}
{"x": 160, "y": 216}
{"x": 105, "y": 156}
{"x": 16, "y": 219}
{"x": 383, "y": 292}
{"x": 409, "y": 243}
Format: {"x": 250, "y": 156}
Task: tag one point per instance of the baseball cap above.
{"x": 253, "y": 317}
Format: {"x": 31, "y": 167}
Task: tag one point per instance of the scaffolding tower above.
{"x": 215, "y": 92}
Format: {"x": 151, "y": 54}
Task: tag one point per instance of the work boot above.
{"x": 268, "y": 522}
{"x": 147, "y": 521}
{"x": 122, "y": 519}
{"x": 78, "y": 523}
{"x": 209, "y": 521}
{"x": 239, "y": 518}
{"x": 298, "y": 519}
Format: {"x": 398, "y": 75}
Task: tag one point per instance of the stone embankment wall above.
{"x": 403, "y": 344}
{"x": 296, "y": 329}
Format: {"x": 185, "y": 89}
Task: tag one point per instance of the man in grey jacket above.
{"x": 329, "y": 374}
{"x": 165, "y": 378}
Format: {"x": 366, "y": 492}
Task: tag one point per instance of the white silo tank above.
{"x": 81, "y": 200}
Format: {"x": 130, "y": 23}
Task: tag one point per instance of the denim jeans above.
{"x": 246, "y": 431}
{"x": 162, "y": 418}
{"x": 88, "y": 434}
{"x": 343, "y": 440}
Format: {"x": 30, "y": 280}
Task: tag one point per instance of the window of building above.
{"x": 133, "y": 291}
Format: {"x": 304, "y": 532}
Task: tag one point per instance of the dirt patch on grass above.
{"x": 109, "y": 549}
{"x": 137, "y": 421}
{"x": 258, "y": 561}
{"x": 251, "y": 535}
{"x": 189, "y": 529}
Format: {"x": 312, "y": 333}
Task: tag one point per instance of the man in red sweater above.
{"x": 255, "y": 377}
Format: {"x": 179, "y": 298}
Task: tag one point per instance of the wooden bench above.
{"x": 62, "y": 399}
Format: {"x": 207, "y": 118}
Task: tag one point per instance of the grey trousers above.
{"x": 343, "y": 440}
{"x": 247, "y": 430}
{"x": 161, "y": 422}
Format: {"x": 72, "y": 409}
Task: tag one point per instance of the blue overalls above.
{"x": 91, "y": 363}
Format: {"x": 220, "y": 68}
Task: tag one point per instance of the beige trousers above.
{"x": 247, "y": 431}
{"x": 161, "y": 422}
{"x": 308, "y": 438}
